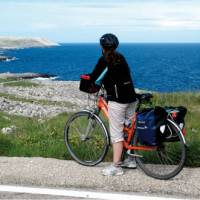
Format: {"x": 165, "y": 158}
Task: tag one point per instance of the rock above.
{"x": 25, "y": 75}
{"x": 8, "y": 130}
{"x": 31, "y": 110}
{"x": 6, "y": 118}
{"x": 6, "y": 58}
{"x": 59, "y": 93}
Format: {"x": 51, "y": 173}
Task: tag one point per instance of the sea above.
{"x": 156, "y": 67}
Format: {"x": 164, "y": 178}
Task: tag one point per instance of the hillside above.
{"x": 20, "y": 42}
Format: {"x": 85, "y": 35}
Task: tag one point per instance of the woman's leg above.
{"x": 116, "y": 112}
{"x": 130, "y": 162}
{"x": 130, "y": 110}
{"x": 117, "y": 152}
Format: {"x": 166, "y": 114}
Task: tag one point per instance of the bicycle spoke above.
{"x": 173, "y": 155}
{"x": 165, "y": 158}
{"x": 86, "y": 138}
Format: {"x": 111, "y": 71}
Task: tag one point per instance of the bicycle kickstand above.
{"x": 133, "y": 154}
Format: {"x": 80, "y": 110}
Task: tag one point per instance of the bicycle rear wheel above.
{"x": 86, "y": 138}
{"x": 165, "y": 160}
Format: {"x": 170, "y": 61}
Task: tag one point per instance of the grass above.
{"x": 18, "y": 82}
{"x": 3, "y": 80}
{"x": 21, "y": 83}
{"x": 192, "y": 102}
{"x": 33, "y": 138}
{"x": 36, "y": 138}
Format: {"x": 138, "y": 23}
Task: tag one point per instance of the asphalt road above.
{"x": 53, "y": 173}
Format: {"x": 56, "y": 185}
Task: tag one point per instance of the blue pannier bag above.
{"x": 148, "y": 123}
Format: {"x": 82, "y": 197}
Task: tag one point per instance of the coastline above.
{"x": 47, "y": 98}
{"x": 155, "y": 74}
{"x": 27, "y": 75}
{"x": 11, "y": 42}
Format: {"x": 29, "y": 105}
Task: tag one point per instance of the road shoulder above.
{"x": 47, "y": 172}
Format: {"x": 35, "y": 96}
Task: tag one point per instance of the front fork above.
{"x": 90, "y": 126}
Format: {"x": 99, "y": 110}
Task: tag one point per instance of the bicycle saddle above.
{"x": 144, "y": 97}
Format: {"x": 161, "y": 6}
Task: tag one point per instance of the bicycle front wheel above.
{"x": 165, "y": 160}
{"x": 86, "y": 138}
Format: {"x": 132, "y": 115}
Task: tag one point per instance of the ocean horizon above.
{"x": 162, "y": 67}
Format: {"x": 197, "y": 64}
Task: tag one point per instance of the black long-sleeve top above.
{"x": 117, "y": 80}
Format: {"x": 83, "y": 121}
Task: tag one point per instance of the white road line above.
{"x": 76, "y": 193}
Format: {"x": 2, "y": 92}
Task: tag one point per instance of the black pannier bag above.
{"x": 148, "y": 125}
{"x": 177, "y": 115}
{"x": 86, "y": 85}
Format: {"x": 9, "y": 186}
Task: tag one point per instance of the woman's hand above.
{"x": 85, "y": 77}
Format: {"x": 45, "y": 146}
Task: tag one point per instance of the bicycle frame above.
{"x": 103, "y": 106}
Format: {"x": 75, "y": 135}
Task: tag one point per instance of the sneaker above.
{"x": 112, "y": 170}
{"x": 129, "y": 163}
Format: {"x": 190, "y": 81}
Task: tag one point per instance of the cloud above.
{"x": 43, "y": 26}
{"x": 94, "y": 17}
{"x": 139, "y": 14}
{"x": 180, "y": 24}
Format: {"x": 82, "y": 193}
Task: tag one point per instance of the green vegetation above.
{"x": 192, "y": 102}
{"x": 3, "y": 80}
{"x": 21, "y": 83}
{"x": 17, "y": 82}
{"x": 44, "y": 138}
{"x": 33, "y": 137}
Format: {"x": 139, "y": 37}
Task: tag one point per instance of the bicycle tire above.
{"x": 90, "y": 149}
{"x": 165, "y": 161}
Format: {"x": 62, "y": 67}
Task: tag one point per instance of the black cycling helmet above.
{"x": 109, "y": 40}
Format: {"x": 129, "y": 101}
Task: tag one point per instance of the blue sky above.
{"x": 87, "y": 20}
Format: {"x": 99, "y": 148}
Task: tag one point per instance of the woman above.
{"x": 120, "y": 94}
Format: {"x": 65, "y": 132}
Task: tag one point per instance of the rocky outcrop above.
{"x": 25, "y": 75}
{"x": 31, "y": 109}
{"x": 3, "y": 58}
{"x": 20, "y": 42}
{"x": 6, "y": 58}
{"x": 63, "y": 96}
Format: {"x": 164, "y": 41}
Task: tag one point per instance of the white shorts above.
{"x": 119, "y": 114}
